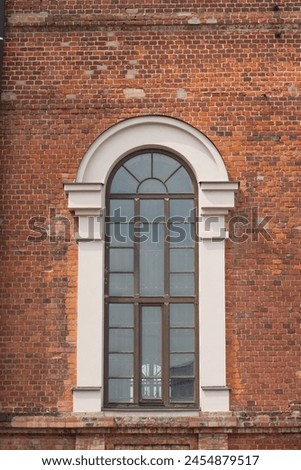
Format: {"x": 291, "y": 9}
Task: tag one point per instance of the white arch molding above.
{"x": 86, "y": 196}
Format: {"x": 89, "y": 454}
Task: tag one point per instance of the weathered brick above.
{"x": 73, "y": 69}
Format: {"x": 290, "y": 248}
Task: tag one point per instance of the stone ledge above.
{"x": 228, "y": 421}
{"x": 192, "y": 21}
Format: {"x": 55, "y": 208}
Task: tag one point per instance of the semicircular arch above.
{"x": 144, "y": 132}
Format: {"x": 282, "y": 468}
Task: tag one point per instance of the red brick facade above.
{"x": 71, "y": 70}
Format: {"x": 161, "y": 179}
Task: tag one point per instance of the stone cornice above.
{"x": 138, "y": 18}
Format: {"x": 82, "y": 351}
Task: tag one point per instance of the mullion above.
{"x": 137, "y": 345}
{"x": 125, "y": 168}
{"x": 152, "y": 165}
{"x": 137, "y": 353}
{"x": 165, "y": 353}
{"x": 183, "y": 354}
{"x": 162, "y": 301}
{"x": 136, "y": 251}
{"x": 166, "y": 248}
{"x": 173, "y": 173}
{"x": 151, "y": 195}
{"x": 153, "y": 300}
{"x": 141, "y": 399}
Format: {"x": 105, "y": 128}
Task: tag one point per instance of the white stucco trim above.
{"x": 156, "y": 132}
{"x": 87, "y": 198}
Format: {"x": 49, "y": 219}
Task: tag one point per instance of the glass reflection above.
{"x": 121, "y": 390}
{"x": 181, "y": 284}
{"x": 181, "y": 260}
{"x": 121, "y": 315}
{"x": 124, "y": 182}
{"x": 182, "y": 390}
{"x": 151, "y": 352}
{"x": 151, "y": 264}
{"x": 181, "y": 365}
{"x": 121, "y": 259}
{"x": 181, "y": 340}
{"x": 120, "y": 340}
{"x": 181, "y": 315}
{"x": 120, "y": 365}
{"x": 121, "y": 284}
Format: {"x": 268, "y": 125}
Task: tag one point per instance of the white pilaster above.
{"x": 86, "y": 201}
{"x": 215, "y": 200}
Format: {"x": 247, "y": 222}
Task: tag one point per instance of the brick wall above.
{"x": 74, "y": 68}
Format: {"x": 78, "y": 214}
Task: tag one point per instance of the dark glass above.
{"x": 164, "y": 166}
{"x": 180, "y": 182}
{"x": 121, "y": 365}
{"x": 152, "y": 209}
{"x": 121, "y": 340}
{"x": 152, "y": 186}
{"x": 140, "y": 166}
{"x": 151, "y": 356}
{"x": 181, "y": 235}
{"x": 182, "y": 209}
{"x": 181, "y": 315}
{"x": 121, "y": 259}
{"x": 121, "y": 235}
{"x": 151, "y": 389}
{"x": 181, "y": 340}
{"x": 151, "y": 364}
{"x": 181, "y": 284}
{"x": 124, "y": 182}
{"x": 121, "y": 210}
{"x": 121, "y": 315}
{"x": 181, "y": 260}
{"x": 151, "y": 262}
{"x": 181, "y": 365}
{"x": 182, "y": 390}
{"x": 121, "y": 390}
{"x": 121, "y": 284}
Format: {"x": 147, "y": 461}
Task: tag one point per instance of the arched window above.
{"x": 151, "y": 279}
{"x": 166, "y": 321}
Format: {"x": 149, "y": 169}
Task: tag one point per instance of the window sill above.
{"x": 151, "y": 411}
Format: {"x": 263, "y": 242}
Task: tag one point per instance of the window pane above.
{"x": 181, "y": 365}
{"x": 181, "y": 260}
{"x": 182, "y": 390}
{"x": 181, "y": 235}
{"x": 122, "y": 259}
{"x": 123, "y": 182}
{"x": 181, "y": 315}
{"x": 140, "y": 166}
{"x": 136, "y": 257}
{"x": 122, "y": 210}
{"x": 121, "y": 365}
{"x": 181, "y": 284}
{"x": 151, "y": 342}
{"x": 121, "y": 390}
{"x": 152, "y": 186}
{"x": 120, "y": 340}
{"x": 181, "y": 340}
{"x": 180, "y": 182}
{"x": 121, "y": 234}
{"x": 120, "y": 315}
{"x": 151, "y": 209}
{"x": 121, "y": 284}
{"x": 151, "y": 263}
{"x": 182, "y": 208}
{"x": 164, "y": 166}
{"x": 151, "y": 389}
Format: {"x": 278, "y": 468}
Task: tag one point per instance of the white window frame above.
{"x": 86, "y": 197}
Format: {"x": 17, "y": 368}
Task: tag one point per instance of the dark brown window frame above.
{"x": 163, "y": 301}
